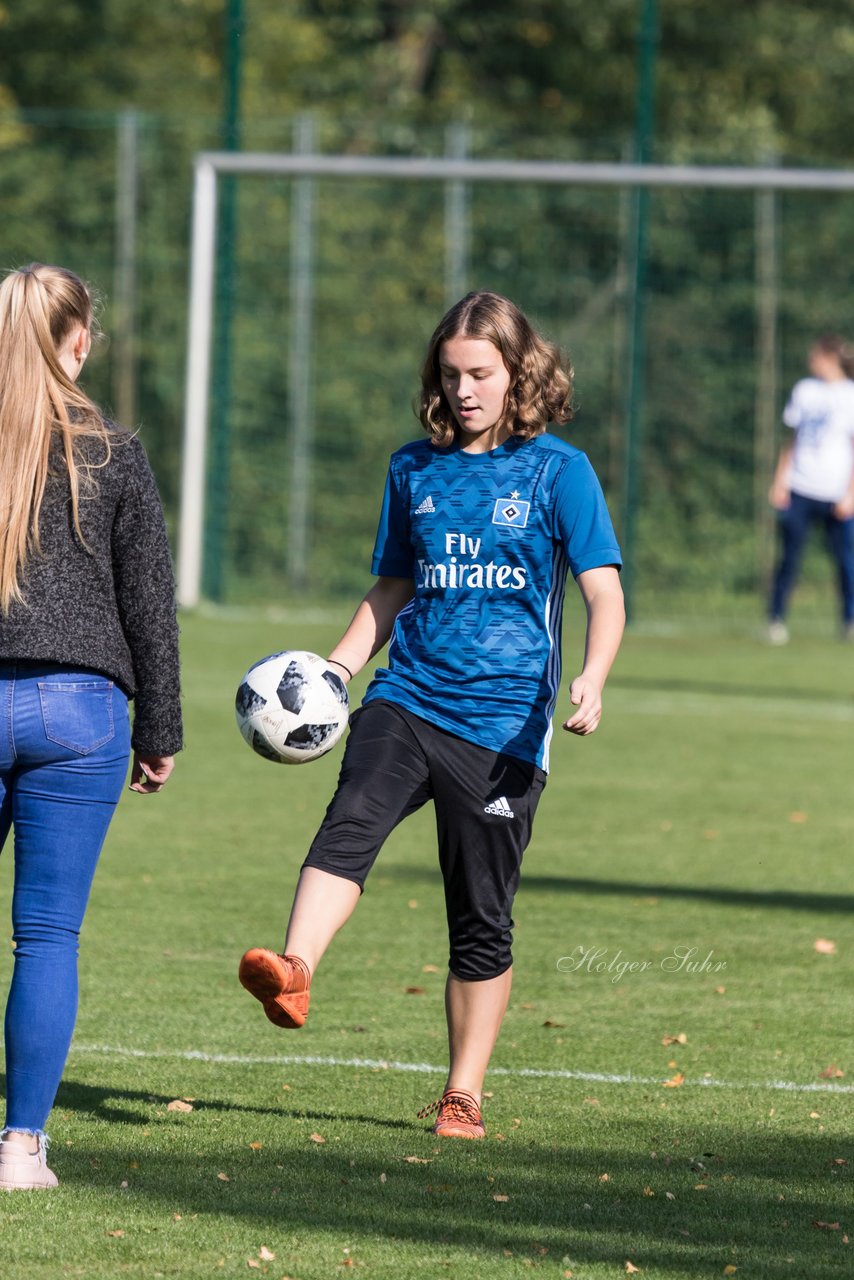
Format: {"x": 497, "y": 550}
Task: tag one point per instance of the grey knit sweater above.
{"x": 111, "y": 607}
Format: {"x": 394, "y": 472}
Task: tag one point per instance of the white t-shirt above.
{"x": 822, "y": 416}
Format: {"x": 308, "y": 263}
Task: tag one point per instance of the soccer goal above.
{"x": 668, "y": 284}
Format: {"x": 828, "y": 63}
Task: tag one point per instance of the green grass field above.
{"x": 709, "y": 818}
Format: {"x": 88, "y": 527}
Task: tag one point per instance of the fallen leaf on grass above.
{"x": 798, "y": 815}
{"x": 383, "y": 1178}
{"x": 256, "y": 1146}
{"x": 118, "y": 1235}
{"x": 179, "y": 1104}
{"x": 417, "y": 1159}
{"x": 549, "y": 1023}
{"x": 630, "y": 1268}
{"x": 674, "y": 1082}
{"x": 824, "y": 946}
{"x": 593, "y": 1102}
{"x": 316, "y": 1137}
{"x": 412, "y": 904}
{"x": 223, "y": 1177}
{"x": 827, "y": 1226}
{"x": 430, "y": 968}
{"x": 501, "y": 1199}
{"x": 720, "y": 991}
{"x": 415, "y": 991}
{"x": 832, "y": 1072}
{"x": 839, "y": 1160}
{"x": 254, "y": 1263}
{"x": 730, "y": 1269}
{"x": 265, "y": 1254}
{"x": 648, "y": 1191}
{"x": 604, "y": 1177}
{"x": 670, "y": 1195}
{"x": 680, "y": 1039}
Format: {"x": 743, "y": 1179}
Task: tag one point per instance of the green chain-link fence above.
{"x": 737, "y": 284}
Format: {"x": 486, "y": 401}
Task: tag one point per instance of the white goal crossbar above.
{"x": 209, "y": 164}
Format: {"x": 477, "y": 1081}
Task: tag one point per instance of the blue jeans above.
{"x": 64, "y": 749}
{"x": 795, "y": 524}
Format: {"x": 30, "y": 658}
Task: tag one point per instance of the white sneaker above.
{"x": 22, "y": 1170}
{"x": 778, "y": 632}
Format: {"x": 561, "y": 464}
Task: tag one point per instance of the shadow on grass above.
{"x": 822, "y": 903}
{"x": 760, "y": 1195}
{"x": 100, "y": 1103}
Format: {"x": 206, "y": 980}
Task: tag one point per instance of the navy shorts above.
{"x": 485, "y": 803}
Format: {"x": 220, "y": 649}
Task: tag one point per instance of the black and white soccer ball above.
{"x": 292, "y": 707}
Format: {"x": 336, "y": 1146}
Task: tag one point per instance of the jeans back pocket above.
{"x": 78, "y": 714}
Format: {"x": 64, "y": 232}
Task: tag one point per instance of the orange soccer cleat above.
{"x": 458, "y": 1115}
{"x": 281, "y": 983}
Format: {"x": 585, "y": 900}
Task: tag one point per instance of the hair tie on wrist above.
{"x": 342, "y": 666}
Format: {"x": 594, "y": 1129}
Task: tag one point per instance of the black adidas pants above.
{"x": 485, "y": 803}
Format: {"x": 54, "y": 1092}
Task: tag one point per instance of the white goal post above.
{"x": 209, "y": 164}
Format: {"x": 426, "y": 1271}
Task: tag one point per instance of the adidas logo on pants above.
{"x": 501, "y": 806}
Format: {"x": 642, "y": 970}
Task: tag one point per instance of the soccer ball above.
{"x": 292, "y": 707}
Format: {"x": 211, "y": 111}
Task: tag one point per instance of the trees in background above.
{"x": 735, "y": 84}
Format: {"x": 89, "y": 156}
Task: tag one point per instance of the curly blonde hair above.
{"x": 540, "y": 388}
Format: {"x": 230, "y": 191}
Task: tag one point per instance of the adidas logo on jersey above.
{"x": 426, "y": 507}
{"x": 501, "y": 807}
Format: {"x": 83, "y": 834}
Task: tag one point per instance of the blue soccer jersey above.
{"x": 488, "y": 539}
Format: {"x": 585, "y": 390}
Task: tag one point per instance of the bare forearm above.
{"x": 781, "y": 474}
{"x": 849, "y": 496}
{"x": 372, "y": 623}
{"x": 844, "y": 508}
{"x": 606, "y": 619}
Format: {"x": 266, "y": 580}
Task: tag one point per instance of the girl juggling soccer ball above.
{"x": 480, "y": 523}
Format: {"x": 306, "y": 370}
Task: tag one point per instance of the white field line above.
{"x": 426, "y": 1068}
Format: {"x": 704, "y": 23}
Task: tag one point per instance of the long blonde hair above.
{"x": 541, "y": 376}
{"x": 39, "y": 306}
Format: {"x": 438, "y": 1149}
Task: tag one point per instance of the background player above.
{"x": 814, "y": 480}
{"x": 480, "y": 524}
